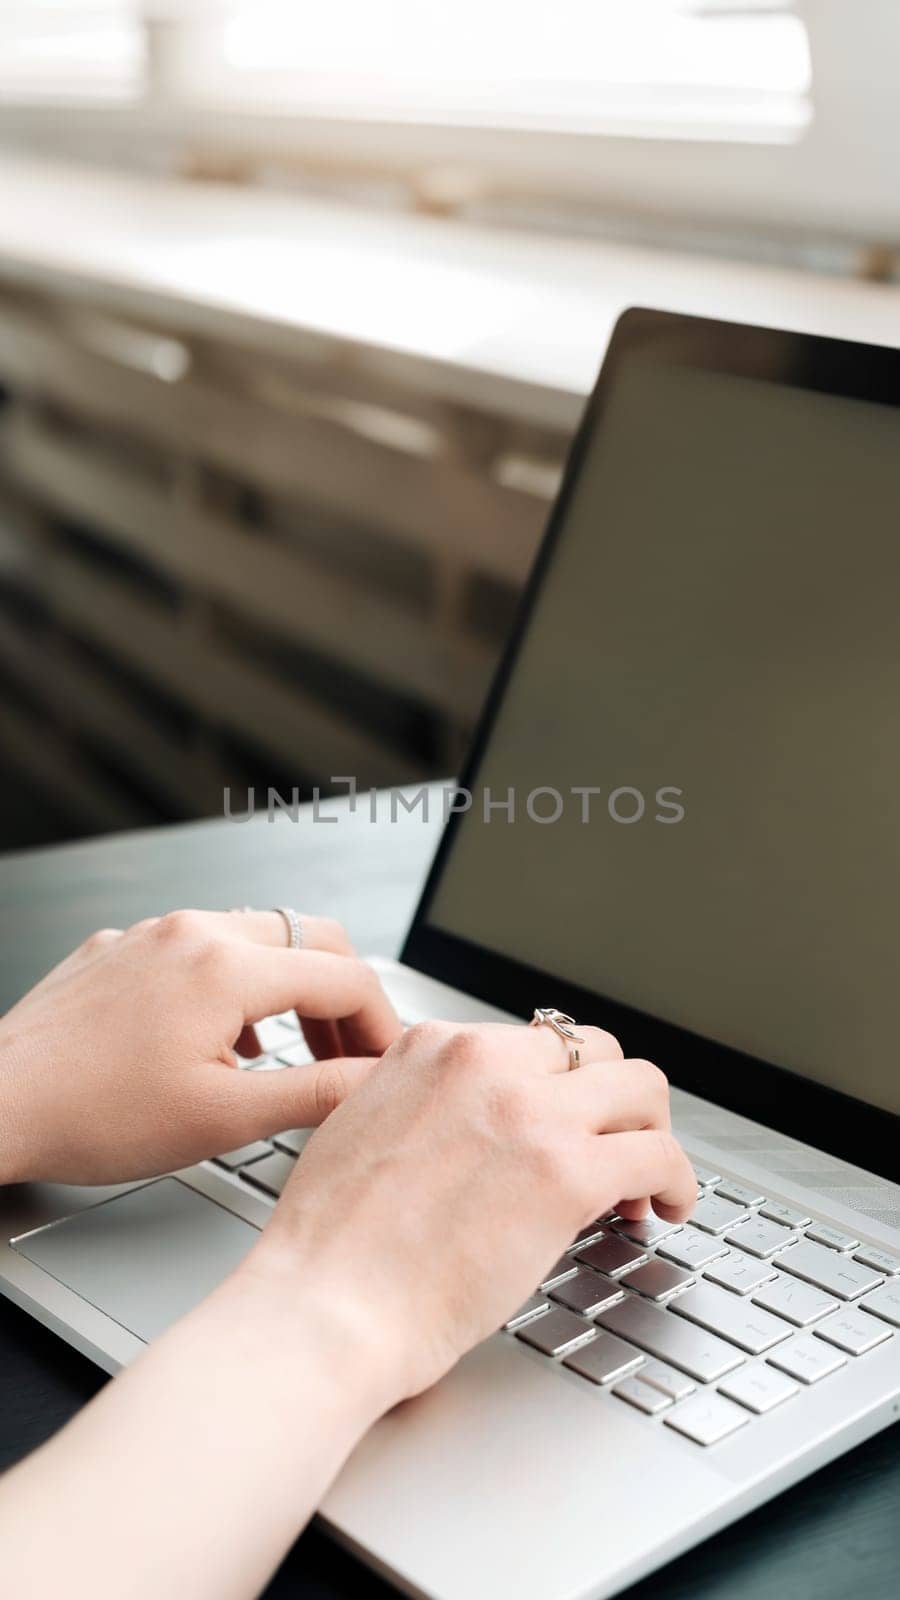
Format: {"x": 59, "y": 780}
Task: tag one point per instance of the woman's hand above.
{"x": 420, "y": 1215}
{"x": 434, "y": 1199}
{"x": 121, "y": 1062}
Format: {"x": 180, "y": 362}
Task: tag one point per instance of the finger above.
{"x": 256, "y": 1105}
{"x": 325, "y": 1038}
{"x": 591, "y": 1044}
{"x": 317, "y": 984}
{"x": 615, "y": 1096}
{"x": 548, "y": 1051}
{"x": 636, "y": 1164}
{"x": 269, "y": 928}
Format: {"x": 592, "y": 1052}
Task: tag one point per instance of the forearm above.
{"x": 195, "y": 1470}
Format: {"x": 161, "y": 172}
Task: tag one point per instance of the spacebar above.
{"x": 697, "y": 1353}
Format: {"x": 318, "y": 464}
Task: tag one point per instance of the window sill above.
{"x": 510, "y": 322}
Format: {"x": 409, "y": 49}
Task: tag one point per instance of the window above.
{"x": 70, "y": 49}
{"x": 666, "y": 66}
{"x": 658, "y": 67}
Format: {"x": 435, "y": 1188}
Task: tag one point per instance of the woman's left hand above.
{"x": 121, "y": 1063}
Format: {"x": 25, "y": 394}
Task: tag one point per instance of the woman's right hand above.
{"x": 432, "y": 1201}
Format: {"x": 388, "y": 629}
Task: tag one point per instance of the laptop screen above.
{"x": 714, "y": 655}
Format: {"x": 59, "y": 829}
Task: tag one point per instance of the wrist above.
{"x": 19, "y": 1152}
{"x": 293, "y": 1306}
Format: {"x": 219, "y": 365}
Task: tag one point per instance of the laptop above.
{"x": 679, "y": 820}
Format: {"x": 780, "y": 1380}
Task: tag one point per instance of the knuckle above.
{"x": 508, "y": 1110}
{"x": 424, "y": 1038}
{"x": 330, "y": 1090}
{"x": 335, "y": 936}
{"x": 667, "y": 1150}
{"x": 366, "y": 977}
{"x": 549, "y": 1164}
{"x": 612, "y": 1050}
{"x": 657, "y": 1082}
{"x": 100, "y": 939}
{"x": 212, "y": 957}
{"x": 180, "y": 927}
{"x": 463, "y": 1050}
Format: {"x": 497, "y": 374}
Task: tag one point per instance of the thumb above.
{"x": 259, "y": 1104}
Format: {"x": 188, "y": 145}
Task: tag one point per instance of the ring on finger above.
{"x": 565, "y": 1026}
{"x": 294, "y": 926}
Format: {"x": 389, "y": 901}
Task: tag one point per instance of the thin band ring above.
{"x": 562, "y": 1024}
{"x": 294, "y": 926}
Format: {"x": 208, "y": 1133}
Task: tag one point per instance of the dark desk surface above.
{"x": 836, "y": 1534}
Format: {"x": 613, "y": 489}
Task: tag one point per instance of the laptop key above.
{"x": 655, "y": 1330}
{"x": 885, "y": 1303}
{"x": 738, "y": 1193}
{"x": 675, "y": 1384}
{"x": 594, "y": 1230}
{"x": 294, "y": 1140}
{"x": 808, "y": 1359}
{"x": 642, "y": 1396}
{"x": 834, "y": 1238}
{"x": 878, "y": 1260}
{"x": 835, "y": 1273}
{"x": 715, "y": 1215}
{"x": 731, "y": 1318}
{"x": 705, "y": 1175}
{"x": 739, "y": 1273}
{"x": 759, "y": 1237}
{"x": 659, "y": 1279}
{"x": 647, "y": 1232}
{"x": 788, "y": 1216}
{"x": 604, "y": 1360}
{"x": 691, "y": 1248}
{"x": 612, "y": 1255}
{"x": 272, "y": 1034}
{"x": 799, "y": 1303}
{"x": 565, "y": 1267}
{"x": 247, "y": 1153}
{"x": 587, "y": 1292}
{"x": 852, "y": 1331}
{"x": 556, "y": 1331}
{"x": 534, "y": 1306}
{"x": 759, "y": 1387}
{"x": 294, "y": 1053}
{"x": 707, "y": 1418}
{"x": 271, "y": 1173}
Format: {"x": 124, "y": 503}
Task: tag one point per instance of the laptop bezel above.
{"x": 787, "y": 1101}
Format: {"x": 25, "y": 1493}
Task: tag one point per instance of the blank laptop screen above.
{"x": 721, "y": 617}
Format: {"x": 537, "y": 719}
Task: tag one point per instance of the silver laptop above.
{"x": 680, "y": 820}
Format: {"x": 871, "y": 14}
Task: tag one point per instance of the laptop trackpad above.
{"x": 146, "y": 1257}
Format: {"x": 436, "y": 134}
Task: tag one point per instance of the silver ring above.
{"x": 563, "y": 1025}
{"x": 294, "y": 927}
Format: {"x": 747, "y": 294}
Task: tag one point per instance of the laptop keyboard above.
{"x": 706, "y": 1326}
{"x": 712, "y": 1324}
